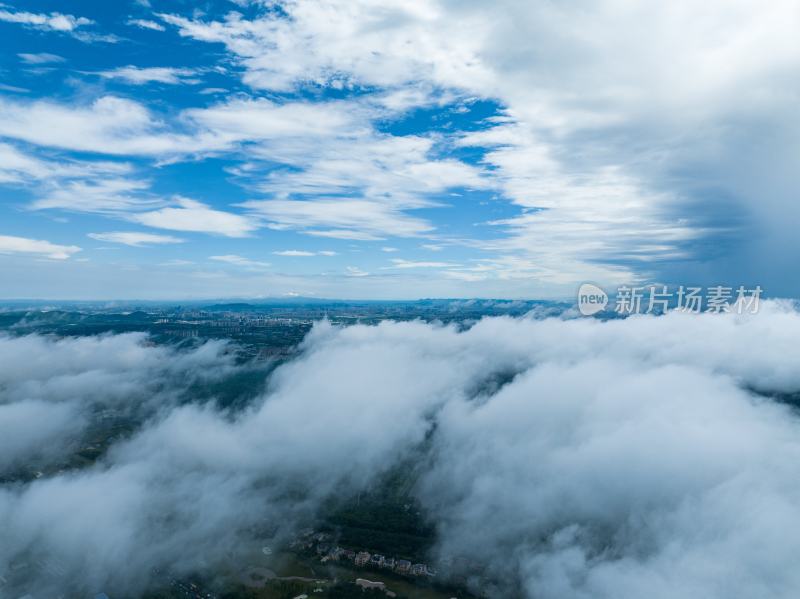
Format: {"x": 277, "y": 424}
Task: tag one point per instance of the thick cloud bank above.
{"x": 49, "y": 388}
{"x": 567, "y": 458}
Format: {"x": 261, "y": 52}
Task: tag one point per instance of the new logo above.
{"x": 591, "y": 299}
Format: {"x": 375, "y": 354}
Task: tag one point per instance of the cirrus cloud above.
{"x": 10, "y": 244}
{"x": 135, "y": 238}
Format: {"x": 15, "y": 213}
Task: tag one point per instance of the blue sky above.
{"x": 356, "y": 149}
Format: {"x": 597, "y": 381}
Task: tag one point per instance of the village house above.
{"x": 362, "y": 558}
{"x": 403, "y": 566}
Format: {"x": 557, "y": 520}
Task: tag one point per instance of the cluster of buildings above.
{"x": 361, "y": 559}
{"x": 401, "y": 566}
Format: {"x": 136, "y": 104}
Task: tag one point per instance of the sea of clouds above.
{"x": 568, "y": 458}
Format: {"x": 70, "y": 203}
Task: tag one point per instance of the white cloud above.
{"x": 358, "y": 219}
{"x": 37, "y": 247}
{"x": 354, "y": 271}
{"x": 294, "y": 253}
{"x": 191, "y": 215}
{"x": 14, "y": 89}
{"x": 30, "y": 427}
{"x": 330, "y": 147}
{"x": 21, "y": 167}
{"x": 596, "y": 135}
{"x": 263, "y": 120}
{"x": 348, "y": 234}
{"x": 109, "y": 125}
{"x": 597, "y": 127}
{"x": 303, "y": 253}
{"x": 142, "y": 75}
{"x": 113, "y": 125}
{"x": 466, "y": 276}
{"x": 241, "y": 261}
{"x": 135, "y": 238}
{"x": 40, "y": 58}
{"x": 398, "y": 168}
{"x": 278, "y": 53}
{"x": 53, "y": 21}
{"x": 50, "y": 387}
{"x": 575, "y": 225}
{"x": 16, "y": 166}
{"x": 146, "y": 24}
{"x": 560, "y": 458}
{"x": 176, "y": 262}
{"x": 57, "y": 22}
{"x": 400, "y": 263}
{"x": 102, "y": 195}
